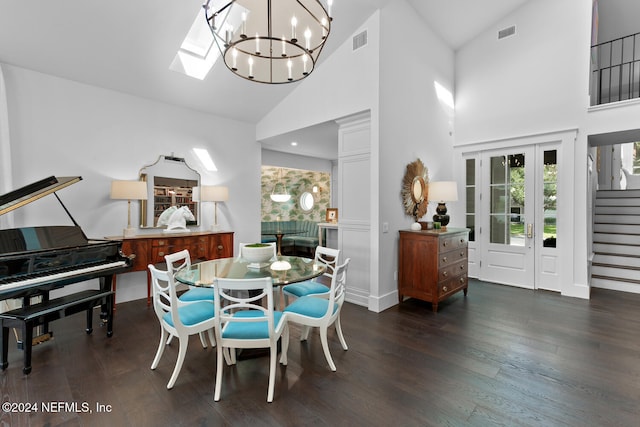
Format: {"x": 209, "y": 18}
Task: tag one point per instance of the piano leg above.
{"x": 4, "y": 345}
{"x": 89, "y": 321}
{"x": 27, "y": 334}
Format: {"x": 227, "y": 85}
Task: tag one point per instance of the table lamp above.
{"x": 129, "y": 190}
{"x": 441, "y": 192}
{"x": 215, "y": 194}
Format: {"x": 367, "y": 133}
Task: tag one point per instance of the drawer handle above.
{"x": 160, "y": 253}
{"x": 445, "y": 289}
{"x": 220, "y": 247}
{"x": 461, "y": 267}
{"x": 461, "y": 254}
{"x": 444, "y": 259}
{"x": 444, "y": 243}
{"x": 462, "y": 280}
{"x": 445, "y": 273}
{"x": 461, "y": 240}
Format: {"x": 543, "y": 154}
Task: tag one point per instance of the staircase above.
{"x": 616, "y": 241}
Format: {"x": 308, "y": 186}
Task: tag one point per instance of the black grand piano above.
{"x": 37, "y": 260}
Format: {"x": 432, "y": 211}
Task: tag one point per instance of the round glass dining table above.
{"x": 284, "y": 270}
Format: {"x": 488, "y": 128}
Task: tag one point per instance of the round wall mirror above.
{"x": 415, "y": 190}
{"x": 306, "y": 201}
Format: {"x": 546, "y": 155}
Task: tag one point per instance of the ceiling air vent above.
{"x": 360, "y": 40}
{"x": 507, "y": 32}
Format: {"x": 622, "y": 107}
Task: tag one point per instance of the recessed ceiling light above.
{"x": 294, "y": 144}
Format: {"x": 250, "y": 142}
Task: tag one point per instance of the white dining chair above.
{"x": 242, "y": 322}
{"x": 182, "y": 260}
{"x": 320, "y": 311}
{"x": 179, "y": 320}
{"x": 327, "y": 256}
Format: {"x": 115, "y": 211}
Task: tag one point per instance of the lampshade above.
{"x": 280, "y": 193}
{"x": 443, "y": 191}
{"x": 269, "y": 41}
{"x": 129, "y": 190}
{"x": 214, "y": 193}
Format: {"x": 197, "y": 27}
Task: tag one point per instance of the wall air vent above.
{"x": 360, "y": 40}
{"x": 507, "y": 32}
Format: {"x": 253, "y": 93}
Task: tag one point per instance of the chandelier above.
{"x": 269, "y": 41}
{"x": 280, "y": 193}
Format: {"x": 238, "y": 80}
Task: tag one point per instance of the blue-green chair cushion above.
{"x": 310, "y": 306}
{"x": 250, "y": 330}
{"x": 197, "y": 294}
{"x": 192, "y": 314}
{"x": 305, "y": 288}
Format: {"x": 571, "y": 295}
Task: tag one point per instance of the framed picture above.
{"x": 332, "y": 215}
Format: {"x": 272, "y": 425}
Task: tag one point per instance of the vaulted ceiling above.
{"x": 127, "y": 46}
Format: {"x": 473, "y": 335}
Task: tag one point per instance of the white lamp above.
{"x": 129, "y": 190}
{"x": 441, "y": 192}
{"x": 215, "y": 194}
{"x": 279, "y": 193}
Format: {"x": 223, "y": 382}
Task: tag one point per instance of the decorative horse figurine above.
{"x": 177, "y": 218}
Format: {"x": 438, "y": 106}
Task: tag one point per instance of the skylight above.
{"x": 197, "y": 54}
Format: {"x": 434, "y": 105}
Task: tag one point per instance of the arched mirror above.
{"x": 306, "y": 201}
{"x": 170, "y": 183}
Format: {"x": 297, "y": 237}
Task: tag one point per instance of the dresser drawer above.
{"x": 445, "y": 259}
{"x": 452, "y": 285}
{"x": 453, "y": 242}
{"x": 453, "y": 270}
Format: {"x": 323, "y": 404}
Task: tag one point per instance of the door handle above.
{"x": 530, "y": 231}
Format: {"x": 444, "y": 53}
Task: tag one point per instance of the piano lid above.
{"x": 29, "y": 193}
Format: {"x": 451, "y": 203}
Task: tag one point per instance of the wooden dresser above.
{"x": 151, "y": 248}
{"x": 432, "y": 264}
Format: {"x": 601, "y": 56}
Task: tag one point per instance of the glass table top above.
{"x": 283, "y": 270}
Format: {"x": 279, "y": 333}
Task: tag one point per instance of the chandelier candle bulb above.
{"x": 329, "y": 4}
{"x": 234, "y": 54}
{"x": 305, "y": 58}
{"x": 243, "y": 31}
{"x": 324, "y": 28}
{"x": 284, "y": 48}
{"x": 307, "y": 36}
{"x": 289, "y": 65}
{"x": 250, "y": 67}
{"x": 294, "y": 22}
{"x": 257, "y": 44}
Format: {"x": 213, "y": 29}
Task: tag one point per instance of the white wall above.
{"x": 533, "y": 83}
{"x": 343, "y": 84}
{"x": 614, "y": 19}
{"x": 293, "y": 161}
{"x": 413, "y": 124}
{"x": 60, "y": 127}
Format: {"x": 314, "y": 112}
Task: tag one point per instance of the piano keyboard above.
{"x": 29, "y": 280}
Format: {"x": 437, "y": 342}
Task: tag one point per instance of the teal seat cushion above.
{"x": 250, "y": 330}
{"x": 310, "y": 306}
{"x": 192, "y": 314}
{"x": 197, "y": 294}
{"x": 305, "y": 288}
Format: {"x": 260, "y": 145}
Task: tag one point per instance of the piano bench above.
{"x": 26, "y": 318}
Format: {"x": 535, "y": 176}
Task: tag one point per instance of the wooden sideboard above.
{"x": 151, "y": 248}
{"x": 433, "y": 264}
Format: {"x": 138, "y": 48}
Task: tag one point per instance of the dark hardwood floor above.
{"x": 500, "y": 356}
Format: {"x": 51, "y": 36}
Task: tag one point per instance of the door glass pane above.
{"x": 550, "y": 174}
{"x": 471, "y": 197}
{"x": 507, "y": 200}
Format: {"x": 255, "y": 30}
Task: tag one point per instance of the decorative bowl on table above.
{"x": 257, "y": 252}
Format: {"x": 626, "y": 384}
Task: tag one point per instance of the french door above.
{"x": 516, "y": 216}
